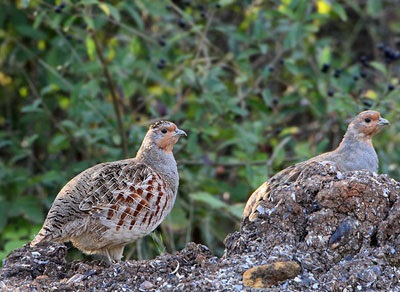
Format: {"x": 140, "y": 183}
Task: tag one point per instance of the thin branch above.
{"x": 113, "y": 93}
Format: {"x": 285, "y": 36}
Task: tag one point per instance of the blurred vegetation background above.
{"x": 257, "y": 85}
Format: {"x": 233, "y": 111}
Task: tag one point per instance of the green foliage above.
{"x": 80, "y": 81}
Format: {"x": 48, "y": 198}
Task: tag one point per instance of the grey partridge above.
{"x": 114, "y": 203}
{"x": 355, "y": 152}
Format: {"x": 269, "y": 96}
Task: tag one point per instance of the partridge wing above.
{"x": 263, "y": 193}
{"x": 131, "y": 196}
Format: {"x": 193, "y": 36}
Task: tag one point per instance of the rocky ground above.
{"x": 341, "y": 230}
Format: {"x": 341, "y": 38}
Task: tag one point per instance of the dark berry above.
{"x": 161, "y": 63}
{"x": 275, "y": 101}
{"x": 337, "y": 73}
{"x": 58, "y": 8}
{"x": 186, "y": 4}
{"x": 271, "y": 69}
{"x": 391, "y": 87}
{"x": 281, "y": 61}
{"x": 181, "y": 23}
{"x": 325, "y": 68}
{"x": 363, "y": 74}
{"x": 355, "y": 77}
{"x": 218, "y": 6}
{"x": 380, "y": 46}
{"x": 278, "y": 130}
{"x": 162, "y": 42}
{"x": 388, "y": 53}
{"x": 203, "y": 14}
{"x": 331, "y": 92}
{"x": 364, "y": 60}
{"x": 367, "y": 103}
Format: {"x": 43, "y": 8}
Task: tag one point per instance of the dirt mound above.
{"x": 341, "y": 228}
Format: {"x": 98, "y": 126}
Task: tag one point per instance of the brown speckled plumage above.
{"x": 355, "y": 152}
{"x": 112, "y": 204}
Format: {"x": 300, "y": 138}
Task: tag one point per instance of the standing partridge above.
{"x": 114, "y": 203}
{"x": 355, "y": 152}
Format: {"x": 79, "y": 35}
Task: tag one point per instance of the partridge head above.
{"x": 114, "y": 203}
{"x": 355, "y": 152}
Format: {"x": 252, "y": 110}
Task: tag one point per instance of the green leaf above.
{"x": 14, "y": 244}
{"x": 30, "y": 32}
{"x": 263, "y": 48}
{"x": 39, "y": 19}
{"x": 236, "y": 210}
{"x": 89, "y": 22}
{"x": 90, "y": 48}
{"x": 208, "y": 199}
{"x": 25, "y": 4}
{"x": 69, "y": 125}
{"x": 190, "y": 75}
{"x": 33, "y": 107}
{"x": 4, "y": 207}
{"x": 51, "y": 88}
{"x": 340, "y": 11}
{"x": 241, "y": 79}
{"x": 177, "y": 218}
{"x": 374, "y": 7}
{"x": 58, "y": 143}
{"x": 28, "y": 207}
{"x": 379, "y": 66}
{"x": 110, "y": 10}
{"x": 325, "y": 56}
{"x": 134, "y": 14}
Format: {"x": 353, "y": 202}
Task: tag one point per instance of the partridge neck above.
{"x": 355, "y": 139}
{"x": 356, "y": 153}
{"x": 162, "y": 162}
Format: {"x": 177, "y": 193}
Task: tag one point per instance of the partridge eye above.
{"x": 367, "y": 120}
{"x": 164, "y": 131}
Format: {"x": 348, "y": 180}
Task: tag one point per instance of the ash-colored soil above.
{"x": 342, "y": 228}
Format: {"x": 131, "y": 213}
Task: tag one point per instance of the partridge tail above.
{"x": 260, "y": 194}
{"x": 43, "y": 236}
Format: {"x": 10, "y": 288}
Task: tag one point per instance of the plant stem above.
{"x": 113, "y": 93}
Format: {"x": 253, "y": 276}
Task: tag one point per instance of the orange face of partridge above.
{"x": 169, "y": 135}
{"x": 368, "y": 123}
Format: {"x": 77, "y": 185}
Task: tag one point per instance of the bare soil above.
{"x": 342, "y": 228}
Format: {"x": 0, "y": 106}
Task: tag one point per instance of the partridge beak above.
{"x": 383, "y": 122}
{"x": 179, "y": 132}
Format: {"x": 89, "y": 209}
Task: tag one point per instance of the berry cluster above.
{"x": 180, "y": 21}
{"x": 59, "y": 8}
{"x": 390, "y": 55}
{"x": 161, "y": 63}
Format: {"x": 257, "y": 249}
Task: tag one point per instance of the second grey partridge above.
{"x": 355, "y": 152}
{"x": 112, "y": 204}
